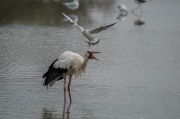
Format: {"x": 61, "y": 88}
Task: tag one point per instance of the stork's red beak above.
{"x": 92, "y": 56}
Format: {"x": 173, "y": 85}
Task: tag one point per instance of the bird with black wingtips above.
{"x": 68, "y": 64}
{"x": 88, "y": 33}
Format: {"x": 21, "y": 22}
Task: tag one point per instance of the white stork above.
{"x": 88, "y": 33}
{"x": 67, "y": 64}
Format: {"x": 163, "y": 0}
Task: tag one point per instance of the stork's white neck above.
{"x": 83, "y": 65}
{"x": 85, "y": 60}
{"x": 81, "y": 68}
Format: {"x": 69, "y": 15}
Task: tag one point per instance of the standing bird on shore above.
{"x": 72, "y": 5}
{"x": 139, "y": 2}
{"x": 88, "y": 33}
{"x": 68, "y": 64}
{"x": 122, "y": 8}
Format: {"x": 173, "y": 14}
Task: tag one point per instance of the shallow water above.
{"x": 137, "y": 76}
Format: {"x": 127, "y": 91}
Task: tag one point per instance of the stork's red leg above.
{"x": 63, "y": 111}
{"x": 64, "y": 91}
{"x": 69, "y": 89}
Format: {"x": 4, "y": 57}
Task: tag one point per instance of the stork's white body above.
{"x": 68, "y": 64}
{"x": 71, "y": 61}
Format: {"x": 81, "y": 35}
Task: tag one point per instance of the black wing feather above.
{"x": 53, "y": 73}
{"x": 50, "y": 67}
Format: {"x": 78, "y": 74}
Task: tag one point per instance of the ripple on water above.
{"x": 136, "y": 75}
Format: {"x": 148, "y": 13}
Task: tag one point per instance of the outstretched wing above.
{"x": 82, "y": 29}
{"x": 101, "y": 28}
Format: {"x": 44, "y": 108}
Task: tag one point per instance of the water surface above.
{"x": 137, "y": 75}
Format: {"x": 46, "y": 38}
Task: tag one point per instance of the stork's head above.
{"x": 89, "y": 55}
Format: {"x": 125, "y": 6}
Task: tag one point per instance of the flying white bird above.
{"x": 122, "y": 8}
{"x": 88, "y": 33}
{"x": 72, "y": 5}
{"x": 68, "y": 64}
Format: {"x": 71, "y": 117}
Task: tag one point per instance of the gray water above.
{"x": 136, "y": 77}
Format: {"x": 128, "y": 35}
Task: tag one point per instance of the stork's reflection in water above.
{"x": 53, "y": 114}
{"x": 66, "y": 112}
